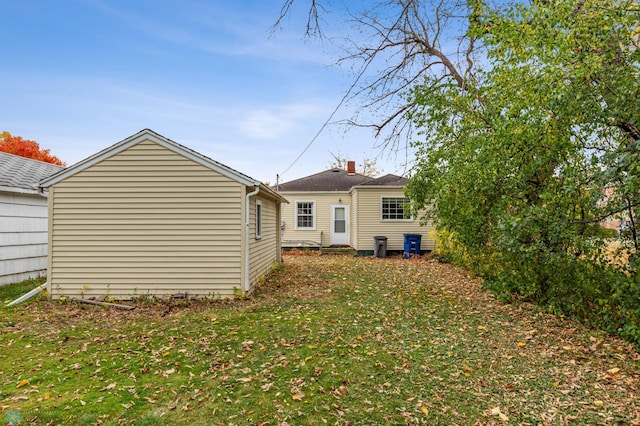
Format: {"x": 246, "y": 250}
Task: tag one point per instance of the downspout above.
{"x": 246, "y": 235}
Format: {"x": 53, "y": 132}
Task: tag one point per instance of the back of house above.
{"x": 341, "y": 208}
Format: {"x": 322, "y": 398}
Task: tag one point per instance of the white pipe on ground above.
{"x": 28, "y": 295}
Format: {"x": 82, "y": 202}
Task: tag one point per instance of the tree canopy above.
{"x": 16, "y": 145}
{"x": 528, "y": 137}
{"x": 523, "y": 154}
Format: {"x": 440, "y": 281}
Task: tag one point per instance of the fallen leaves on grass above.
{"x": 329, "y": 339}
{"x": 497, "y": 412}
{"x": 109, "y": 387}
{"x": 298, "y": 396}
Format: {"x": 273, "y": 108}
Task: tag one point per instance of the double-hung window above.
{"x": 395, "y": 209}
{"x": 305, "y": 215}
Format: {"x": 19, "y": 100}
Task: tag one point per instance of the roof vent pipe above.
{"x": 351, "y": 167}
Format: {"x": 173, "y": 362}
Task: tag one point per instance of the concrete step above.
{"x": 338, "y": 250}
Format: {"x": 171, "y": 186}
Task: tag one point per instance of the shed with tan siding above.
{"x": 148, "y": 216}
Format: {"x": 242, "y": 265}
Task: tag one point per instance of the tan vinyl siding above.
{"x": 370, "y": 223}
{"x": 263, "y": 252}
{"x": 322, "y": 233}
{"x": 355, "y": 223}
{"x": 146, "y": 221}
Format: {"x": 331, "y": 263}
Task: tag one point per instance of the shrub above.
{"x": 596, "y": 293}
{"x": 481, "y": 261}
{"x": 607, "y": 233}
{"x": 585, "y": 287}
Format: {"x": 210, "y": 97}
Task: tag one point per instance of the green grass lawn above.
{"x": 328, "y": 340}
{"x": 12, "y": 292}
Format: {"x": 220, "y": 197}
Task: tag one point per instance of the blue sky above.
{"x": 80, "y": 75}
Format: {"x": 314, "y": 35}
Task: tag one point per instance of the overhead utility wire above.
{"x": 342, "y": 101}
{"x": 324, "y": 125}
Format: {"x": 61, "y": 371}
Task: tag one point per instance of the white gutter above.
{"x": 246, "y": 236}
{"x": 16, "y": 190}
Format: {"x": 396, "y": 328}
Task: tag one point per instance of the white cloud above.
{"x": 262, "y": 124}
{"x": 219, "y": 31}
{"x": 281, "y": 121}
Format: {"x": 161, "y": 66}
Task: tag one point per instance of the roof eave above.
{"x": 271, "y": 193}
{"x": 323, "y": 191}
{"x": 378, "y": 186}
{"x": 16, "y": 190}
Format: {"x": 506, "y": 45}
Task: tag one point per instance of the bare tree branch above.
{"x": 628, "y": 206}
{"x": 401, "y": 44}
{"x": 313, "y": 19}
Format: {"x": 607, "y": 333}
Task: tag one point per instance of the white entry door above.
{"x": 339, "y": 225}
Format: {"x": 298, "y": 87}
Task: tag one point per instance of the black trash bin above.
{"x": 411, "y": 244}
{"x": 380, "y": 246}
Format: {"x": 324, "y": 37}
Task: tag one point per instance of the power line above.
{"x": 313, "y": 139}
{"x": 365, "y": 66}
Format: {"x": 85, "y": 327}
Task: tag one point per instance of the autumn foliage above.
{"x": 26, "y": 148}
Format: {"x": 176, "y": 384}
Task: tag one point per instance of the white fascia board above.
{"x": 14, "y": 190}
{"x": 313, "y": 193}
{"x": 374, "y": 187}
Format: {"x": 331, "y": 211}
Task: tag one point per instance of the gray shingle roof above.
{"x": 388, "y": 180}
{"x": 23, "y": 174}
{"x": 328, "y": 180}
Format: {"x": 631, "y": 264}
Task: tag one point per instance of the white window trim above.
{"x": 313, "y": 214}
{"x": 382, "y": 219}
{"x": 259, "y": 219}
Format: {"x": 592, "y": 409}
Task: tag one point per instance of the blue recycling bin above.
{"x": 411, "y": 244}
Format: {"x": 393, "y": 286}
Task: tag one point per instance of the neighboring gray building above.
{"x": 23, "y": 218}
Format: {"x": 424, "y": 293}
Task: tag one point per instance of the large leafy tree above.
{"x": 525, "y": 161}
{"x": 16, "y": 145}
{"x": 529, "y": 121}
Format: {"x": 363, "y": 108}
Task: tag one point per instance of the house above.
{"x": 23, "y": 218}
{"x": 343, "y": 208}
{"x": 618, "y": 221}
{"x": 148, "y": 216}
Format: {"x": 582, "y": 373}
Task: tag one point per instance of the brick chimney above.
{"x": 351, "y": 168}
